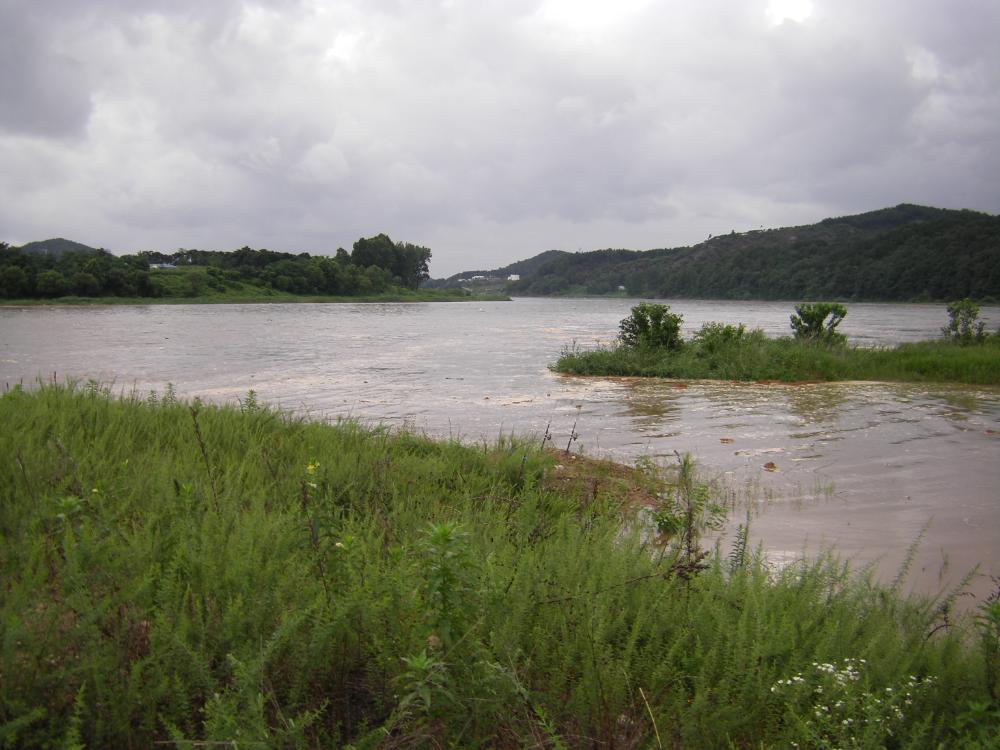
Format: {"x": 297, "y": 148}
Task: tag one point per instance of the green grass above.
{"x": 756, "y": 357}
{"x": 188, "y": 574}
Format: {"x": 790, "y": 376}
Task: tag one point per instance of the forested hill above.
{"x": 905, "y": 253}
{"x": 58, "y": 247}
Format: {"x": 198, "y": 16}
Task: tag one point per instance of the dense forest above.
{"x": 906, "y": 253}
{"x": 57, "y": 268}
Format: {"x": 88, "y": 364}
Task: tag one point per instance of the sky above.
{"x": 486, "y": 130}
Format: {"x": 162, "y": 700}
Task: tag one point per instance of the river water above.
{"x": 863, "y": 467}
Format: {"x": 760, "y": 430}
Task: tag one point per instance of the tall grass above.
{"x": 183, "y": 574}
{"x": 756, "y": 357}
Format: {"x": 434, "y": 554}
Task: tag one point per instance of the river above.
{"x": 860, "y": 466}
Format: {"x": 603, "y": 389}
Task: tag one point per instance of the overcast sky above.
{"x": 487, "y": 130}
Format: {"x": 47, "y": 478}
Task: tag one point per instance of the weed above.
{"x": 247, "y": 578}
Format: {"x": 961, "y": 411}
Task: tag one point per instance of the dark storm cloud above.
{"x": 487, "y": 130}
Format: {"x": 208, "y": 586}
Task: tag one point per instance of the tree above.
{"x": 810, "y": 322}
{"x": 964, "y": 325}
{"x": 651, "y": 325}
{"x": 84, "y": 284}
{"x": 411, "y": 264}
{"x": 406, "y": 262}
{"x": 50, "y": 284}
{"x": 374, "y": 251}
{"x": 13, "y": 282}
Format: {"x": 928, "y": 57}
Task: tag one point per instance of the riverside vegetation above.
{"x": 195, "y": 576}
{"x": 650, "y": 344}
{"x": 70, "y": 273}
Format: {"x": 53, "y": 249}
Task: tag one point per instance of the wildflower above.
{"x": 311, "y": 467}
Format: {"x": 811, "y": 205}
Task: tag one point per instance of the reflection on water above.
{"x": 653, "y": 408}
{"x": 817, "y": 405}
{"x": 897, "y": 456}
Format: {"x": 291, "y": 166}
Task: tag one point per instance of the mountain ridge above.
{"x": 902, "y": 253}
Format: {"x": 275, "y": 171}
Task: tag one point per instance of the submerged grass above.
{"x": 190, "y": 575}
{"x": 756, "y": 357}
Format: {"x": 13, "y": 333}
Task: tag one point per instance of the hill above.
{"x": 57, "y": 247}
{"x": 904, "y": 253}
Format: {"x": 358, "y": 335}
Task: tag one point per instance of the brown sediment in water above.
{"x": 784, "y": 382}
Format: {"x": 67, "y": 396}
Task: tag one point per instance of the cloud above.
{"x": 487, "y": 130}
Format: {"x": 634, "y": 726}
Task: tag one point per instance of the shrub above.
{"x": 810, "y": 322}
{"x": 651, "y": 325}
{"x": 964, "y": 325}
{"x": 714, "y": 336}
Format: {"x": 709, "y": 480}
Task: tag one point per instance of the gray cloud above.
{"x": 487, "y": 130}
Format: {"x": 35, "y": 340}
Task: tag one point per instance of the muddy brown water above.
{"x": 862, "y": 467}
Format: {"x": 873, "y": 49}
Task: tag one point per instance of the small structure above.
{"x": 514, "y": 277}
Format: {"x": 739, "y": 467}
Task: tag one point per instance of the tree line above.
{"x": 375, "y": 265}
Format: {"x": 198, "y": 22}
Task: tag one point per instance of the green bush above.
{"x": 818, "y": 321}
{"x": 964, "y": 325}
{"x": 651, "y": 326}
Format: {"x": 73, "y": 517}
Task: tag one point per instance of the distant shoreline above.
{"x": 248, "y": 300}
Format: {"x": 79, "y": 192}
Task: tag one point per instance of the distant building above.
{"x": 514, "y": 277}
{"x": 161, "y": 265}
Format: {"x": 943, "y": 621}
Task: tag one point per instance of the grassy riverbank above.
{"x": 756, "y": 357}
{"x": 259, "y": 296}
{"x": 188, "y": 574}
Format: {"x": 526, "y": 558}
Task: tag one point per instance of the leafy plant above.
{"x": 964, "y": 325}
{"x": 650, "y": 325}
{"x": 818, "y": 321}
{"x": 423, "y": 683}
{"x": 832, "y": 706}
{"x": 714, "y": 336}
{"x": 688, "y": 511}
{"x": 449, "y": 581}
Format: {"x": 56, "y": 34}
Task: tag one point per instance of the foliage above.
{"x": 185, "y": 575}
{"x": 905, "y": 253}
{"x": 407, "y": 263}
{"x": 712, "y": 337}
{"x": 377, "y": 266}
{"x": 818, "y": 321}
{"x": 964, "y": 325}
{"x": 728, "y": 352}
{"x": 833, "y": 705}
{"x": 651, "y": 326}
